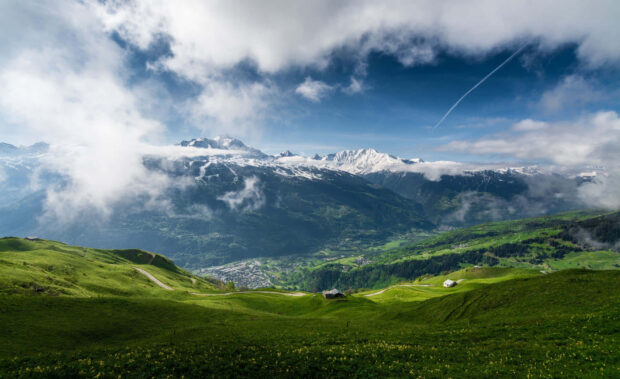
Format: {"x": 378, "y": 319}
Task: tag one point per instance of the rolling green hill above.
{"x": 545, "y": 296}
{"x": 90, "y": 313}
{"x": 569, "y": 240}
{"x": 432, "y": 286}
{"x": 54, "y": 268}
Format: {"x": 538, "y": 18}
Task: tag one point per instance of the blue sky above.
{"x": 401, "y": 104}
{"x": 309, "y": 77}
{"x": 398, "y": 105}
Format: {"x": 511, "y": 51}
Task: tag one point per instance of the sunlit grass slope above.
{"x": 560, "y": 294}
{"x": 54, "y": 268}
{"x": 114, "y": 321}
{"x": 561, "y": 324}
{"x": 432, "y": 286}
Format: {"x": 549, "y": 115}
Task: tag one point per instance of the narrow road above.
{"x": 154, "y": 279}
{"x": 232, "y": 293}
{"x": 168, "y": 288}
{"x": 398, "y": 285}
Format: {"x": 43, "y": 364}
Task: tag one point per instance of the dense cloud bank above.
{"x": 68, "y": 81}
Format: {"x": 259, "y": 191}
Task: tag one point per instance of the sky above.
{"x": 311, "y": 78}
{"x": 104, "y": 80}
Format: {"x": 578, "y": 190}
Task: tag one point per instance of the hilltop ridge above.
{"x": 37, "y": 266}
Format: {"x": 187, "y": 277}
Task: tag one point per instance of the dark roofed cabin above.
{"x": 333, "y": 294}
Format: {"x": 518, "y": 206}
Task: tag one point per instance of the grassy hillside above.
{"x": 561, "y": 324}
{"x": 69, "y": 311}
{"x": 570, "y": 240}
{"x": 432, "y": 286}
{"x": 30, "y": 267}
{"x": 540, "y": 297}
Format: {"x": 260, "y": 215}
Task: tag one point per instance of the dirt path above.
{"x": 232, "y": 293}
{"x": 168, "y": 288}
{"x": 398, "y": 285}
{"x": 153, "y": 279}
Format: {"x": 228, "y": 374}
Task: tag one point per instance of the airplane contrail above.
{"x": 478, "y": 84}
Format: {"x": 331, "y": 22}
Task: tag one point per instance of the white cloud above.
{"x": 529, "y": 124}
{"x": 592, "y": 141}
{"x": 603, "y": 191}
{"x": 313, "y": 90}
{"x": 209, "y": 40}
{"x": 232, "y": 108}
{"x": 197, "y": 211}
{"x": 356, "y": 86}
{"x": 572, "y": 91}
{"x": 276, "y": 34}
{"x": 249, "y": 198}
{"x": 66, "y": 85}
{"x": 434, "y": 170}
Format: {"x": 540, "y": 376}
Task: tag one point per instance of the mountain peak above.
{"x": 366, "y": 160}
{"x": 229, "y": 142}
{"x": 8, "y": 149}
{"x": 286, "y": 153}
{"x": 224, "y": 143}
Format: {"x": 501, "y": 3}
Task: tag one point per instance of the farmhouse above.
{"x": 449, "y": 283}
{"x": 334, "y": 293}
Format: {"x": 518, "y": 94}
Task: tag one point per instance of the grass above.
{"x": 543, "y": 243}
{"x": 596, "y": 260}
{"x": 269, "y": 335}
{"x": 538, "y": 243}
{"x": 432, "y": 286}
{"x": 496, "y": 322}
{"x": 54, "y": 268}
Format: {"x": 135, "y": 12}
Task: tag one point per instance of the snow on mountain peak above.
{"x": 286, "y": 153}
{"x": 229, "y": 142}
{"x": 361, "y": 161}
{"x": 364, "y": 161}
{"x": 224, "y": 143}
{"x": 8, "y": 149}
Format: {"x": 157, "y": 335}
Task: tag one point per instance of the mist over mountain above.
{"x": 225, "y": 201}
{"x": 7, "y": 150}
{"x": 485, "y": 195}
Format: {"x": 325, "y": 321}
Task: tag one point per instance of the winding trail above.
{"x": 168, "y": 288}
{"x": 153, "y": 279}
{"x": 398, "y": 285}
{"x": 233, "y": 293}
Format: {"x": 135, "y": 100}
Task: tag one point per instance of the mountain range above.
{"x": 232, "y": 201}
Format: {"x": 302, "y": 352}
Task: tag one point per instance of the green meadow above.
{"x": 70, "y": 311}
{"x": 548, "y": 243}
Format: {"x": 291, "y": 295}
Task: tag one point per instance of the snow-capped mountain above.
{"x": 364, "y": 161}
{"x": 478, "y": 191}
{"x": 225, "y": 143}
{"x": 286, "y": 153}
{"x": 357, "y": 162}
{"x": 6, "y": 149}
{"x": 17, "y": 165}
{"x": 228, "y": 201}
